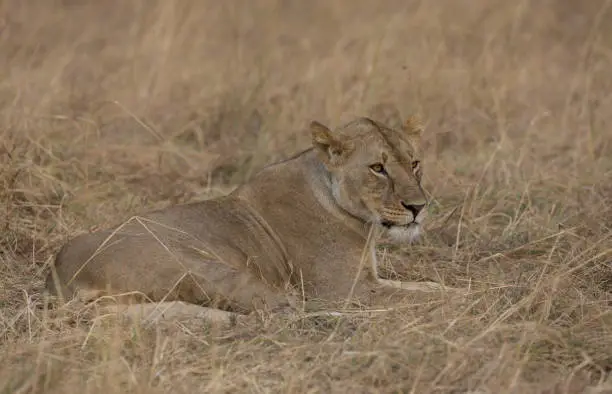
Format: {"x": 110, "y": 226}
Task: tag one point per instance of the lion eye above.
{"x": 378, "y": 168}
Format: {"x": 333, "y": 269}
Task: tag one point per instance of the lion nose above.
{"x": 414, "y": 208}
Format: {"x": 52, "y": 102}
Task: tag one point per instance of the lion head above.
{"x": 375, "y": 173}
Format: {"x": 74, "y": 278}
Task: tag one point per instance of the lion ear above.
{"x": 324, "y": 141}
{"x": 413, "y": 126}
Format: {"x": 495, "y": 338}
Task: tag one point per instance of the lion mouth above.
{"x": 388, "y": 224}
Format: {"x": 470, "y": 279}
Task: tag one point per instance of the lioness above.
{"x": 303, "y": 228}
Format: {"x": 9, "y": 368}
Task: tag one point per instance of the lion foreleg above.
{"x": 416, "y": 286}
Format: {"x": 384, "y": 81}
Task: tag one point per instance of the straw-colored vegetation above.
{"x": 111, "y": 108}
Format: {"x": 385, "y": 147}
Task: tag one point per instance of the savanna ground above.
{"x": 112, "y": 108}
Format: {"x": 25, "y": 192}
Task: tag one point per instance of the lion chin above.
{"x": 404, "y": 234}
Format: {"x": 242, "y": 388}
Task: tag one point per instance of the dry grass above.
{"x": 111, "y": 108}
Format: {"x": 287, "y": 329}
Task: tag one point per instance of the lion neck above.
{"x": 303, "y": 179}
{"x": 320, "y": 183}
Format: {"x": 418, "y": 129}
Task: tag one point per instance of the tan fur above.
{"x": 298, "y": 230}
